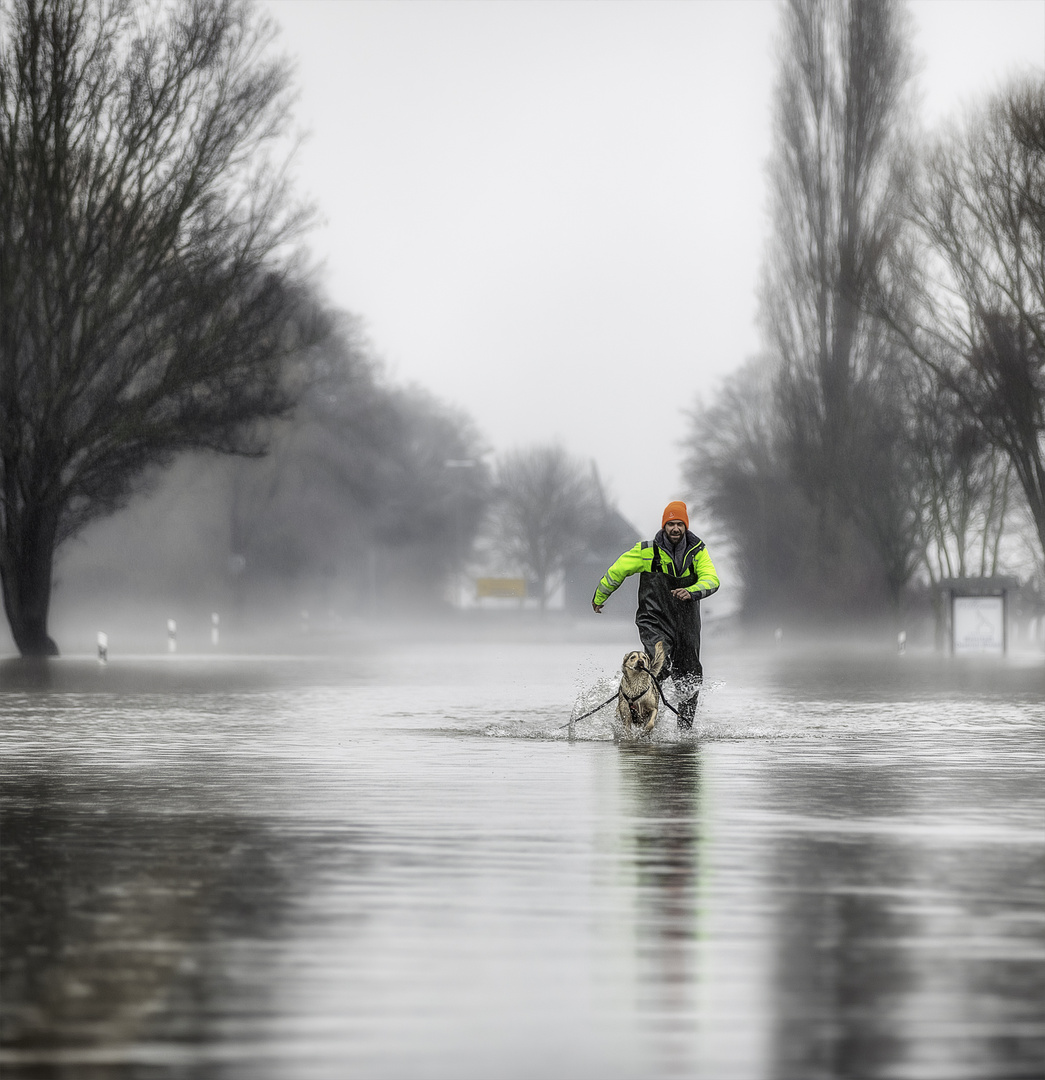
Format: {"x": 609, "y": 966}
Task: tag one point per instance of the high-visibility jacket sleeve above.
{"x": 707, "y": 576}
{"x": 631, "y": 562}
{"x": 640, "y": 558}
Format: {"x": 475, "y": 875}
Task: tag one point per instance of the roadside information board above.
{"x": 979, "y": 624}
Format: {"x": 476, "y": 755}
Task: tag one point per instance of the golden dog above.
{"x": 638, "y": 698}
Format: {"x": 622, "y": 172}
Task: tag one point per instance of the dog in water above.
{"x": 638, "y": 698}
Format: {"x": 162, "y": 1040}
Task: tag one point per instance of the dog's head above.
{"x": 635, "y": 661}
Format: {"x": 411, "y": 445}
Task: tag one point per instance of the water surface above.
{"x": 402, "y": 861}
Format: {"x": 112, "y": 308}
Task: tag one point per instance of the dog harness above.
{"x": 631, "y": 700}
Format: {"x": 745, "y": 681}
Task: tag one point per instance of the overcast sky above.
{"x": 553, "y": 214}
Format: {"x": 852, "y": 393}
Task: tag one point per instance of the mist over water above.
{"x": 399, "y": 859}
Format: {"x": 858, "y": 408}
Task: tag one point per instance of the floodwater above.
{"x": 397, "y": 862}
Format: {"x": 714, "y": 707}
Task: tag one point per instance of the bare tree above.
{"x": 144, "y": 303}
{"x": 978, "y": 266}
{"x": 837, "y": 182}
{"x": 736, "y": 467}
{"x": 966, "y": 487}
{"x": 546, "y": 507}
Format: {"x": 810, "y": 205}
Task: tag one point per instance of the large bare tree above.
{"x": 837, "y": 183}
{"x": 144, "y": 224}
{"x": 978, "y": 266}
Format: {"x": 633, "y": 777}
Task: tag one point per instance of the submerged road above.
{"x": 397, "y": 863}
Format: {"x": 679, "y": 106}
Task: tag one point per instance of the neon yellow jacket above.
{"x": 698, "y": 576}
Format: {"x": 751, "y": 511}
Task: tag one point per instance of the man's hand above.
{"x": 597, "y": 608}
{"x": 681, "y": 594}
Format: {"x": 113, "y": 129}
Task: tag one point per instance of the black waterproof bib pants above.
{"x": 661, "y": 617}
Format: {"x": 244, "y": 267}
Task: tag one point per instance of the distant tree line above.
{"x": 893, "y": 429}
{"x": 379, "y": 484}
{"x": 373, "y": 500}
{"x": 360, "y": 501}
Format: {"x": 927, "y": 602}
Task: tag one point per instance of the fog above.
{"x": 170, "y": 556}
{"x": 324, "y": 784}
{"x": 527, "y": 246}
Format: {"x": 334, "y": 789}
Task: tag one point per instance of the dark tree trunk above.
{"x": 26, "y": 567}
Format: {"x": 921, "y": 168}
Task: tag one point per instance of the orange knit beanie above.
{"x": 675, "y": 511}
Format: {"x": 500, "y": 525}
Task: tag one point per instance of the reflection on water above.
{"x": 121, "y": 924}
{"x": 401, "y": 864}
{"x": 911, "y": 932}
{"x": 661, "y": 786}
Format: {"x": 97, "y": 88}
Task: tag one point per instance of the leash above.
{"x": 591, "y": 712}
{"x": 660, "y": 690}
{"x": 613, "y": 697}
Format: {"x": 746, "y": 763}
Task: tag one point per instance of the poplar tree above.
{"x": 837, "y": 182}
